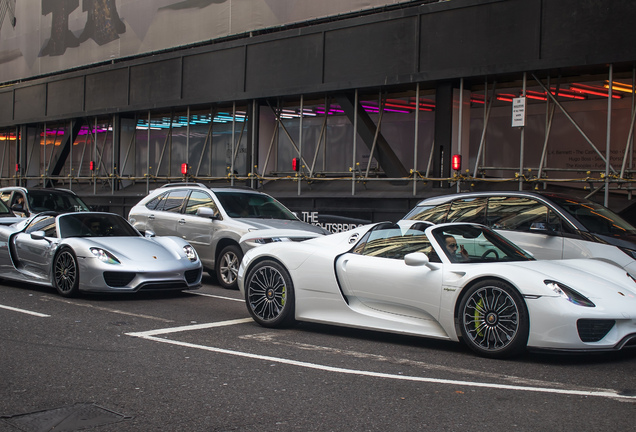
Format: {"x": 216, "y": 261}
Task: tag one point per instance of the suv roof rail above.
{"x": 168, "y": 185}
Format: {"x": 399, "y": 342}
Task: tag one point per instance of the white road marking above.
{"x": 116, "y": 311}
{"x": 151, "y": 335}
{"x": 216, "y": 296}
{"x": 37, "y": 314}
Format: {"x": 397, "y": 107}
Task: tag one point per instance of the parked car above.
{"x": 548, "y": 225}
{"x": 411, "y": 279}
{"x": 26, "y": 202}
{"x": 97, "y": 252}
{"x": 213, "y": 221}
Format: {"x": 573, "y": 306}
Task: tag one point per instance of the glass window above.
{"x": 199, "y": 199}
{"x": 173, "y": 201}
{"x": 517, "y": 214}
{"x": 154, "y": 203}
{"x": 472, "y": 210}
{"x": 253, "y": 205}
{"x": 595, "y": 217}
{"x": 43, "y": 223}
{"x": 434, "y": 214}
{"x": 389, "y": 241}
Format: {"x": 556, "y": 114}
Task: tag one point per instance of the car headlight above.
{"x": 104, "y": 256}
{"x": 190, "y": 252}
{"x": 569, "y": 294}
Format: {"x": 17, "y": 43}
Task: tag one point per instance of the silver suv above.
{"x": 213, "y": 221}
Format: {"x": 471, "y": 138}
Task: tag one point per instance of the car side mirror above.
{"x": 416, "y": 259}
{"x": 38, "y": 235}
{"x": 543, "y": 228}
{"x": 149, "y": 233}
{"x": 208, "y": 213}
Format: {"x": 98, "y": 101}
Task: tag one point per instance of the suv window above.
{"x": 471, "y": 210}
{"x": 434, "y": 214}
{"x": 197, "y": 200}
{"x": 172, "y": 201}
{"x": 517, "y": 214}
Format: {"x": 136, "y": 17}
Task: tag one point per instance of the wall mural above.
{"x": 40, "y": 37}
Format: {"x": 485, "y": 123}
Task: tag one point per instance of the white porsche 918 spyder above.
{"x": 454, "y": 281}
{"x": 98, "y": 252}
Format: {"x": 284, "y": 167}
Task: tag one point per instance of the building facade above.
{"x": 352, "y": 108}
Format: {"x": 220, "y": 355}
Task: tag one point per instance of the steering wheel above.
{"x": 488, "y": 252}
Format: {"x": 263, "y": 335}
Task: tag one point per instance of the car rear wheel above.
{"x": 493, "y": 319}
{"x": 227, "y": 266}
{"x": 66, "y": 273}
{"x": 269, "y": 294}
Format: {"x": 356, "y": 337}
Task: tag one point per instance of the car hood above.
{"x": 137, "y": 249}
{"x": 593, "y": 278}
{"x": 282, "y": 224}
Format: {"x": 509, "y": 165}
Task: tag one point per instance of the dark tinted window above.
{"x": 471, "y": 210}
{"x": 154, "y": 203}
{"x": 54, "y": 200}
{"x": 253, "y": 205}
{"x": 43, "y": 223}
{"x": 595, "y": 217}
{"x": 517, "y": 214}
{"x": 434, "y": 214}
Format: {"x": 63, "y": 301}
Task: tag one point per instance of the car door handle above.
{"x": 181, "y": 221}
{"x": 151, "y": 217}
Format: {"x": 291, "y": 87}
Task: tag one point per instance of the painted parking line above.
{"x": 215, "y": 296}
{"x": 24, "y": 311}
{"x": 152, "y": 336}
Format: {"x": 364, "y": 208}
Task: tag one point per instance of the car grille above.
{"x": 118, "y": 279}
{"x": 192, "y": 276}
{"x": 591, "y": 330}
{"x": 165, "y": 285}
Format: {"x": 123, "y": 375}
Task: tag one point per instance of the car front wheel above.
{"x": 66, "y": 273}
{"x": 269, "y": 294}
{"x": 493, "y": 319}
{"x": 227, "y": 266}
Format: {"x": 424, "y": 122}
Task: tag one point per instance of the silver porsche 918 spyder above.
{"x": 93, "y": 251}
{"x": 454, "y": 281}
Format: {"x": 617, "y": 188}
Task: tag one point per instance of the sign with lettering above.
{"x": 519, "y": 112}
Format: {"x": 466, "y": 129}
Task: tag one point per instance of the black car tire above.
{"x": 66, "y": 273}
{"x": 269, "y": 294}
{"x": 227, "y": 265}
{"x": 493, "y": 319}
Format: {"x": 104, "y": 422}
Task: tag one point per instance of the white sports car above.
{"x": 450, "y": 281}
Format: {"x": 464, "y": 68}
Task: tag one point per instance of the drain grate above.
{"x": 67, "y": 419}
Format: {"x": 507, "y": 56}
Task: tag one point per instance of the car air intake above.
{"x": 593, "y": 330}
{"x": 118, "y": 279}
{"x": 192, "y": 276}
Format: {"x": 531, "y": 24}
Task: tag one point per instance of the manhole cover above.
{"x": 74, "y": 418}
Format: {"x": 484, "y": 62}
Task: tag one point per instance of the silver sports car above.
{"x": 448, "y": 281}
{"x": 99, "y": 252}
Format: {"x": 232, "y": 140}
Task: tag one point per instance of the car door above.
{"x": 35, "y": 255}
{"x": 164, "y": 218}
{"x": 376, "y": 274}
{"x": 528, "y": 223}
{"x": 199, "y": 230}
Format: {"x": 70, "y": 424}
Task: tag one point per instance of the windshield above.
{"x": 594, "y": 217}
{"x": 55, "y": 200}
{"x": 253, "y": 205}
{"x": 476, "y": 244}
{"x": 95, "y": 225}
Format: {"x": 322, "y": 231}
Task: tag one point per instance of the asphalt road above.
{"x": 196, "y": 362}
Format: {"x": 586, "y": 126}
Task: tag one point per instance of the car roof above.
{"x": 202, "y": 186}
{"x": 27, "y": 190}
{"x": 463, "y": 195}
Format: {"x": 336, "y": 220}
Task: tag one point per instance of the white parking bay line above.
{"x": 151, "y": 335}
{"x": 37, "y": 314}
{"x": 215, "y": 296}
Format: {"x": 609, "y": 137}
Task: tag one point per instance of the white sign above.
{"x": 519, "y": 112}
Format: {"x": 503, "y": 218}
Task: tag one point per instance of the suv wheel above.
{"x": 227, "y": 266}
